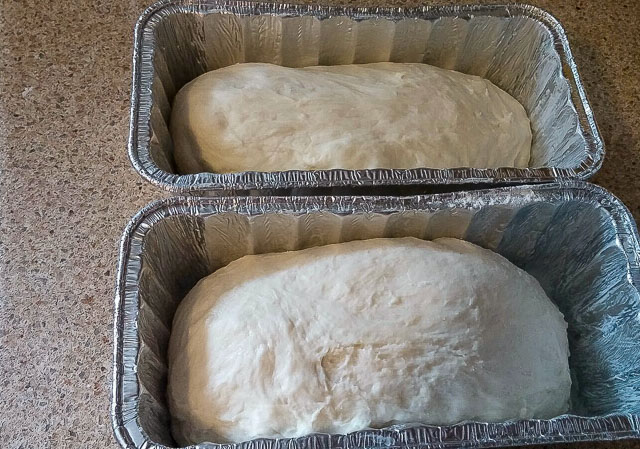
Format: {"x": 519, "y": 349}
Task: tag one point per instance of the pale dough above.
{"x": 264, "y": 117}
{"x": 364, "y": 334}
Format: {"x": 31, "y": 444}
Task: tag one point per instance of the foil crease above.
{"x": 520, "y": 48}
{"x": 578, "y": 240}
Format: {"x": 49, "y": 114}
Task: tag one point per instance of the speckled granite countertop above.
{"x": 67, "y": 191}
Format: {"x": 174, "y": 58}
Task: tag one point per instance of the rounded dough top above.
{"x": 264, "y": 117}
{"x": 363, "y": 334}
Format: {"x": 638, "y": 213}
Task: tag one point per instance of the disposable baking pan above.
{"x": 579, "y": 241}
{"x": 520, "y": 48}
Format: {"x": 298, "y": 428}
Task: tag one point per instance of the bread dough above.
{"x": 364, "y": 334}
{"x": 264, "y": 117}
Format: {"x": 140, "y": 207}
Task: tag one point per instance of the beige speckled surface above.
{"x": 67, "y": 190}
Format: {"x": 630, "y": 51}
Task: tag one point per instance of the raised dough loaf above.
{"x": 363, "y": 334}
{"x": 265, "y": 117}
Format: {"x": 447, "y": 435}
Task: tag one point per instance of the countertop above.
{"x": 67, "y": 190}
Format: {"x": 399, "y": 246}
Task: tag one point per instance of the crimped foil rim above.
{"x": 203, "y": 182}
{"x": 129, "y": 433}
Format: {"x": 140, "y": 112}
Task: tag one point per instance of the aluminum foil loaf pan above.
{"x": 576, "y": 239}
{"x": 520, "y": 48}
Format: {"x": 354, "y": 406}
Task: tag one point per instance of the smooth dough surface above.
{"x": 265, "y": 117}
{"x": 363, "y": 334}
